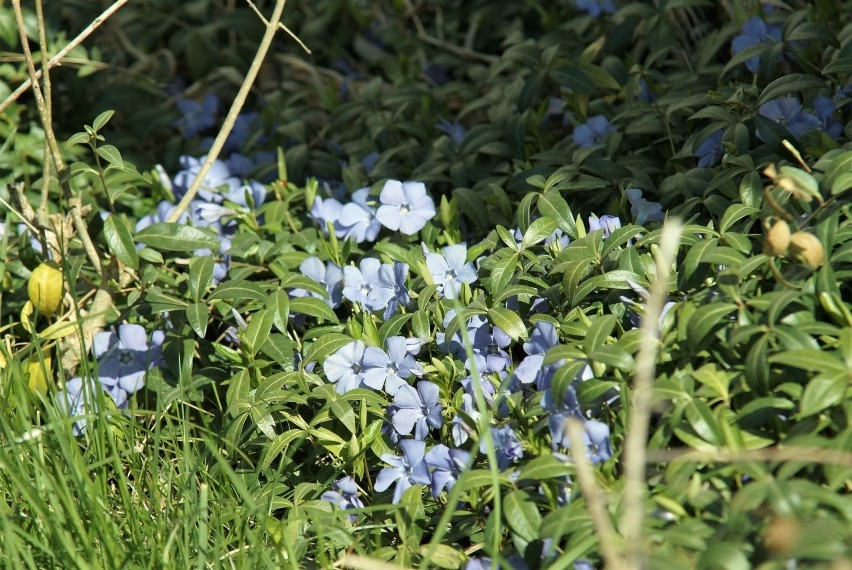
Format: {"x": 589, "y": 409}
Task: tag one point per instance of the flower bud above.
{"x": 777, "y": 239}
{"x": 45, "y": 288}
{"x": 808, "y": 248}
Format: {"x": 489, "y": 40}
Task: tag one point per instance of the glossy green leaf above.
{"x": 120, "y": 242}
{"x": 176, "y": 237}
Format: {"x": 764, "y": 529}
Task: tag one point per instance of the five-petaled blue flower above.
{"x": 787, "y": 111}
{"x": 416, "y": 409}
{"x": 344, "y": 494}
{"x": 125, "y": 357}
{"x": 450, "y": 268}
{"x": 372, "y": 284}
{"x": 391, "y": 370}
{"x": 197, "y": 117}
{"x": 405, "y": 471}
{"x": 593, "y": 131}
{"x": 606, "y": 223}
{"x": 405, "y": 206}
{"x": 595, "y": 8}
{"x": 358, "y": 218}
{"x": 506, "y": 445}
{"x": 710, "y": 150}
{"x": 447, "y": 464}
{"x": 345, "y": 368}
{"x": 755, "y": 31}
{"x": 643, "y": 210}
{"x": 329, "y": 275}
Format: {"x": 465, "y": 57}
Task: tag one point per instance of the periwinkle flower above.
{"x": 358, "y": 218}
{"x": 405, "y": 471}
{"x": 755, "y": 31}
{"x": 596, "y": 8}
{"x": 401, "y": 297}
{"x": 78, "y": 399}
{"x": 643, "y": 211}
{"x": 461, "y": 431}
{"x": 371, "y": 284}
{"x": 452, "y": 129}
{"x": 450, "y": 268}
{"x": 447, "y": 465}
{"x": 126, "y": 356}
{"x": 506, "y": 445}
{"x": 824, "y": 108}
{"x": 416, "y": 409}
{"x": 344, "y": 494}
{"x": 532, "y": 369}
{"x": 593, "y": 131}
{"x": 345, "y": 368}
{"x": 606, "y": 223}
{"x": 391, "y": 370}
{"x": 329, "y": 275}
{"x": 405, "y": 206}
{"x": 710, "y": 150}
{"x": 217, "y": 178}
{"x": 787, "y": 112}
{"x": 325, "y": 211}
{"x": 197, "y": 116}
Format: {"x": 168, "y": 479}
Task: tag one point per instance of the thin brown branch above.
{"x": 57, "y": 59}
{"x": 236, "y": 107}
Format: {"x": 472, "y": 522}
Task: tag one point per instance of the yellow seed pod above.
{"x": 38, "y": 373}
{"x": 45, "y": 288}
{"x": 777, "y": 239}
{"x": 808, "y": 248}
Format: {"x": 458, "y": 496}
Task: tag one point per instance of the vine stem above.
{"x": 272, "y": 26}
{"x": 636, "y": 439}
{"x": 57, "y": 59}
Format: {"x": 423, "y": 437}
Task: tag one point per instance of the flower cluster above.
{"x": 402, "y": 206}
{"x": 356, "y": 365}
{"x": 439, "y": 468}
{"x": 788, "y": 112}
{"x": 123, "y": 359}
{"x": 221, "y": 196}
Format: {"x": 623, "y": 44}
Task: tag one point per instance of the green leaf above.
{"x": 197, "y": 315}
{"x": 735, "y": 213}
{"x": 600, "y": 329}
{"x": 110, "y": 154}
{"x": 502, "y": 273}
{"x": 522, "y": 515}
{"x": 120, "y": 242}
{"x": 704, "y": 320}
{"x": 238, "y": 388}
{"x": 176, "y": 237}
{"x": 392, "y": 326}
{"x": 544, "y": 467}
{"x": 257, "y": 331}
{"x": 509, "y": 322}
{"x": 313, "y": 307}
{"x": 810, "y": 359}
{"x": 553, "y": 205}
{"x": 822, "y": 392}
{"x": 279, "y": 303}
{"x": 791, "y": 83}
{"x": 343, "y": 412}
{"x": 325, "y": 345}
{"x": 538, "y": 231}
{"x": 617, "y": 279}
{"x": 102, "y": 120}
{"x": 200, "y": 275}
{"x": 239, "y": 289}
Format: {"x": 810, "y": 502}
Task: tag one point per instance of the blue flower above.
{"x": 593, "y": 131}
{"x": 824, "y": 107}
{"x": 447, "y": 465}
{"x": 401, "y": 296}
{"x": 391, "y": 370}
{"x": 642, "y": 210}
{"x": 372, "y": 284}
{"x": 405, "y": 206}
{"x": 532, "y": 369}
{"x": 324, "y": 211}
{"x": 595, "y": 433}
{"x": 358, "y": 218}
{"x": 344, "y": 494}
{"x": 416, "y": 409}
{"x": 452, "y": 129}
{"x": 755, "y": 31}
{"x": 606, "y": 223}
{"x": 450, "y": 269}
{"x": 506, "y": 444}
{"x": 329, "y": 276}
{"x": 710, "y": 150}
{"x": 78, "y": 399}
{"x": 125, "y": 357}
{"x": 405, "y": 471}
{"x": 197, "y": 117}
{"x": 218, "y": 177}
{"x": 787, "y": 111}
{"x": 595, "y": 8}
{"x": 345, "y": 368}
{"x": 461, "y": 430}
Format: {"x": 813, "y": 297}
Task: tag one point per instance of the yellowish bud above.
{"x": 808, "y": 248}
{"x": 777, "y": 239}
{"x": 46, "y": 287}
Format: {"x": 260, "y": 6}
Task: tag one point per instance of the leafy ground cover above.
{"x": 457, "y": 285}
